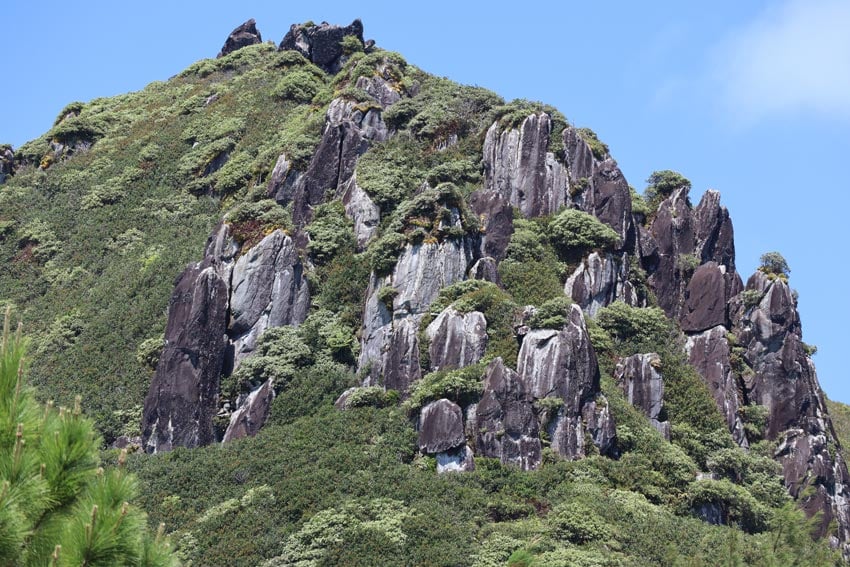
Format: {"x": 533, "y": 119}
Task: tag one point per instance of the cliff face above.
{"x": 447, "y": 200}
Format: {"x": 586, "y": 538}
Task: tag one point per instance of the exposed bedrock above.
{"x": 321, "y": 44}
{"x": 709, "y": 353}
{"x": 519, "y": 166}
{"x": 269, "y": 289}
{"x": 599, "y": 280}
{"x": 783, "y": 379}
{"x": 456, "y": 339}
{"x": 183, "y": 396}
{"x": 396, "y": 303}
{"x": 243, "y": 36}
{"x": 562, "y": 364}
{"x": 644, "y": 388}
{"x": 505, "y": 425}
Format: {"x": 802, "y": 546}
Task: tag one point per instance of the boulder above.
{"x": 460, "y": 459}
{"x": 485, "y": 269}
{"x": 519, "y": 166}
{"x": 440, "y": 427}
{"x": 247, "y": 420}
{"x": 505, "y": 426}
{"x": 644, "y": 388}
{"x": 456, "y": 339}
{"x": 243, "y": 36}
{"x": 321, "y": 43}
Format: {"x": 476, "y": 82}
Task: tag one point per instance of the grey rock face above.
{"x": 599, "y": 281}
{"x": 505, "y": 425}
{"x": 519, "y": 166}
{"x": 7, "y": 162}
{"x": 183, "y": 396}
{"x": 598, "y": 187}
{"x": 456, "y": 460}
{"x": 457, "y": 339}
{"x": 709, "y": 354}
{"x": 389, "y": 344}
{"x": 485, "y": 269}
{"x": 282, "y": 181}
{"x": 706, "y": 296}
{"x": 362, "y": 210}
{"x": 673, "y": 233}
{"x": 252, "y": 414}
{"x": 379, "y": 88}
{"x": 268, "y": 290}
{"x": 784, "y": 380}
{"x": 440, "y": 427}
{"x": 243, "y": 36}
{"x": 321, "y": 44}
{"x": 562, "y": 364}
{"x": 496, "y": 215}
{"x": 644, "y": 388}
{"x": 715, "y": 238}
{"x": 348, "y": 132}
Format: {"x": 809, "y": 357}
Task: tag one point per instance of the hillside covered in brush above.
{"x": 342, "y": 311}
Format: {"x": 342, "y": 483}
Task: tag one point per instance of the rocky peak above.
{"x": 321, "y": 44}
{"x": 7, "y": 162}
{"x": 243, "y": 36}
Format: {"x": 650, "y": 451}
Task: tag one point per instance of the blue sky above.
{"x": 750, "y": 98}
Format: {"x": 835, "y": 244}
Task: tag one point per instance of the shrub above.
{"x": 384, "y": 252}
{"x": 665, "y": 182}
{"x": 751, "y": 297}
{"x": 552, "y": 314}
{"x": 351, "y": 44}
{"x": 331, "y": 232}
{"x": 461, "y": 386}
{"x": 772, "y": 263}
{"x": 736, "y": 505}
{"x": 574, "y": 232}
{"x": 149, "y": 351}
{"x": 578, "y": 524}
{"x": 390, "y": 171}
{"x": 687, "y": 263}
{"x": 297, "y": 85}
{"x": 643, "y": 329}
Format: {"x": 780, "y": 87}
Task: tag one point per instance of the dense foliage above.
{"x": 57, "y": 505}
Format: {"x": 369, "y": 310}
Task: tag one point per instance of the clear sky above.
{"x": 750, "y": 98}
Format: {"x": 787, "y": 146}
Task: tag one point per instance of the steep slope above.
{"x": 421, "y": 253}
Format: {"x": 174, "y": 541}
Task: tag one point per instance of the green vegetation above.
{"x": 597, "y": 148}
{"x": 574, "y": 232}
{"x": 662, "y": 184}
{"x": 774, "y": 264}
{"x": 57, "y": 505}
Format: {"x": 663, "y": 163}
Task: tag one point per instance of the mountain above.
{"x": 347, "y": 312}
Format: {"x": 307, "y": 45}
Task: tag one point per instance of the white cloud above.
{"x": 793, "y": 59}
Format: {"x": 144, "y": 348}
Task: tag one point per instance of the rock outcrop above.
{"x": 597, "y": 185}
{"x": 252, "y": 414}
{"x": 183, "y": 397}
{"x": 269, "y": 289}
{"x": 599, "y": 281}
{"x": 710, "y": 355}
{"x": 644, "y": 388}
{"x": 519, "y": 166}
{"x": 321, "y": 44}
{"x": 219, "y": 308}
{"x": 496, "y": 216}
{"x": 243, "y": 36}
{"x": 783, "y": 379}
{"x": 505, "y": 425}
{"x": 562, "y": 364}
{"x": 456, "y": 339}
{"x": 390, "y": 343}
{"x": 7, "y": 163}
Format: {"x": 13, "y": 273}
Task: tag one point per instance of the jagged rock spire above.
{"x": 243, "y": 36}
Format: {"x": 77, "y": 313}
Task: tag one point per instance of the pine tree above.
{"x": 58, "y": 506}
